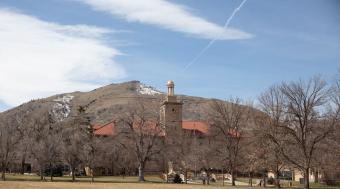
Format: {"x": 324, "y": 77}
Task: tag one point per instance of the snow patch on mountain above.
{"x": 61, "y": 109}
{"x": 147, "y": 90}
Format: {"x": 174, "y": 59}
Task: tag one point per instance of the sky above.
{"x": 57, "y": 46}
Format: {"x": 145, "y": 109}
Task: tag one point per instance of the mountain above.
{"x": 107, "y": 101}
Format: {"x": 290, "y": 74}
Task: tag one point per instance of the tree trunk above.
{"x": 3, "y": 177}
{"x": 112, "y": 168}
{"x": 73, "y": 174}
{"x": 316, "y": 175}
{"x": 167, "y": 173}
{"x": 208, "y": 177}
{"x": 51, "y": 172}
{"x": 41, "y": 173}
{"x": 264, "y": 180}
{"x": 186, "y": 176}
{"x": 141, "y": 172}
{"x": 3, "y": 174}
{"x": 23, "y": 161}
{"x": 250, "y": 179}
{"x": 222, "y": 176}
{"x": 306, "y": 179}
{"x": 232, "y": 177}
{"x": 92, "y": 175}
{"x": 277, "y": 179}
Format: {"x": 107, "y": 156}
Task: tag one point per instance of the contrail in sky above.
{"x": 213, "y": 40}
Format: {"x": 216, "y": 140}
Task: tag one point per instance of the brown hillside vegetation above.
{"x": 105, "y": 102}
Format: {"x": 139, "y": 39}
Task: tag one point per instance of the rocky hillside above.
{"x": 107, "y": 101}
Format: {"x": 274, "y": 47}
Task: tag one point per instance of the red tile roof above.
{"x": 200, "y": 126}
{"x": 108, "y": 128}
{"x": 104, "y": 130}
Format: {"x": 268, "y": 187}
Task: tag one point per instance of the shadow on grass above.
{"x": 134, "y": 180}
{"x": 81, "y": 179}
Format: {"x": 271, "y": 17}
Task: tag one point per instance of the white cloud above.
{"x": 39, "y": 58}
{"x": 166, "y": 15}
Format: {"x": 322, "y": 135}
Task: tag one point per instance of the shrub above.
{"x": 330, "y": 182}
{"x": 271, "y": 180}
{"x": 177, "y": 179}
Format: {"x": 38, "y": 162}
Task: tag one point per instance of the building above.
{"x": 171, "y": 117}
{"x": 173, "y": 129}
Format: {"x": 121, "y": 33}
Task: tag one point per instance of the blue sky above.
{"x": 55, "y": 46}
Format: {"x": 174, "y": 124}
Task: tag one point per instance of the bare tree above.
{"x": 228, "y": 121}
{"x": 253, "y": 160}
{"x": 44, "y": 136}
{"x": 190, "y": 152}
{"x": 115, "y": 156}
{"x": 331, "y": 152}
{"x": 9, "y": 139}
{"x": 142, "y": 128}
{"x": 307, "y": 123}
{"x": 25, "y": 146}
{"x": 75, "y": 134}
{"x": 93, "y": 147}
{"x": 272, "y": 104}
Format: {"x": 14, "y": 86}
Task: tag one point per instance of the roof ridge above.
{"x": 195, "y": 121}
{"x": 105, "y": 124}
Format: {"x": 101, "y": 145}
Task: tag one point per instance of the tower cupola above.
{"x": 171, "y": 88}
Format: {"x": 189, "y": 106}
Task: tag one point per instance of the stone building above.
{"x": 174, "y": 127}
{"x": 171, "y": 117}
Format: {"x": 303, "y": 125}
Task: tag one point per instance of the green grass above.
{"x": 82, "y": 185}
{"x": 113, "y": 179}
{"x": 118, "y": 182}
{"x": 246, "y": 180}
{"x": 312, "y": 185}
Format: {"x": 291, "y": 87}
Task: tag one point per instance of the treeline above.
{"x": 35, "y": 135}
{"x": 292, "y": 125}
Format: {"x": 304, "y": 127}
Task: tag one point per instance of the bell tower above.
{"x": 171, "y": 119}
{"x": 171, "y": 114}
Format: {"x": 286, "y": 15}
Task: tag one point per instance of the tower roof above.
{"x": 170, "y": 82}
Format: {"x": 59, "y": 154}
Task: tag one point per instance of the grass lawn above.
{"x": 83, "y": 185}
{"x": 113, "y": 182}
{"x": 113, "y": 179}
